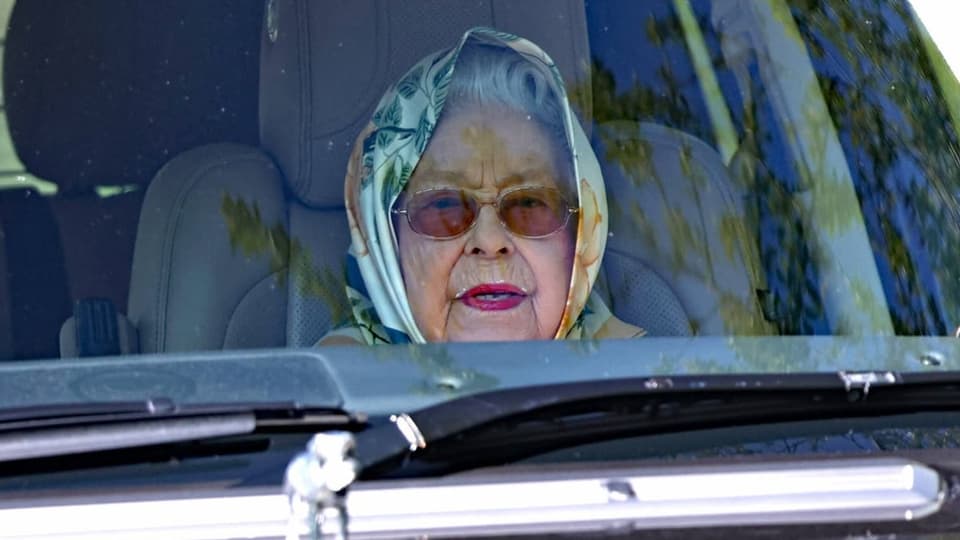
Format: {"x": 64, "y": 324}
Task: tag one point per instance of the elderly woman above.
{"x": 485, "y": 222}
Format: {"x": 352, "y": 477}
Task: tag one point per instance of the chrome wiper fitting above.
{"x": 863, "y": 380}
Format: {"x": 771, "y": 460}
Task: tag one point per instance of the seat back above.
{"x": 33, "y": 277}
{"x": 6, "y": 303}
{"x": 678, "y": 214}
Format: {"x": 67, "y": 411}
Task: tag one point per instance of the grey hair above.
{"x": 497, "y": 75}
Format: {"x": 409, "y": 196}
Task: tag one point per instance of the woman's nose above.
{"x": 488, "y": 237}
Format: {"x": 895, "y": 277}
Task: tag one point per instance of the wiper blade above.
{"x": 504, "y": 426}
{"x": 59, "y": 430}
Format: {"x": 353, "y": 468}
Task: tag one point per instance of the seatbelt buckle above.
{"x": 97, "y": 329}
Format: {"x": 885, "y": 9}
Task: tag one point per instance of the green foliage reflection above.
{"x": 252, "y": 237}
{"x": 880, "y": 87}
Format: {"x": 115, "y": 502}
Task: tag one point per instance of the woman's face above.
{"x": 487, "y": 284}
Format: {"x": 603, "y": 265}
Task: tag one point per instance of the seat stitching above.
{"x": 303, "y": 52}
{"x": 308, "y": 106}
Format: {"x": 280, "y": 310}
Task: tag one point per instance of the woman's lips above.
{"x": 493, "y": 297}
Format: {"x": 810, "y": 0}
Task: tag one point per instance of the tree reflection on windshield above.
{"x": 882, "y": 96}
{"x": 881, "y": 91}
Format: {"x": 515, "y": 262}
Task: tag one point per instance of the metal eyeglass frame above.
{"x": 496, "y": 204}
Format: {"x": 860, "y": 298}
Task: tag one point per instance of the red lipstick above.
{"x": 493, "y": 297}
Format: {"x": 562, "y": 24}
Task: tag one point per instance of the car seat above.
{"x": 34, "y": 298}
{"x": 243, "y": 247}
{"x": 677, "y": 218}
{"x": 98, "y": 96}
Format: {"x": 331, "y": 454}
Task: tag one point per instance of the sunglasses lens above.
{"x": 534, "y": 212}
{"x": 442, "y": 213}
{"x": 447, "y": 213}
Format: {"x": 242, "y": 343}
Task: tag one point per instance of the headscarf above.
{"x": 383, "y": 159}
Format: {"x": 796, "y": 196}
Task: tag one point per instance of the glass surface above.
{"x": 779, "y": 169}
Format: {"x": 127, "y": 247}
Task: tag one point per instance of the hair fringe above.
{"x": 496, "y": 75}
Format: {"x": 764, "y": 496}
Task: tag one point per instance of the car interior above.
{"x": 193, "y": 110}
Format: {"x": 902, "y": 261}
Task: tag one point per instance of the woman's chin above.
{"x": 472, "y": 324}
{"x": 480, "y": 337}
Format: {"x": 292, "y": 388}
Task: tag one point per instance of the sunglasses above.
{"x": 445, "y": 213}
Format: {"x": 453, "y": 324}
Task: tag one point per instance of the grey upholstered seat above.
{"x": 677, "y": 217}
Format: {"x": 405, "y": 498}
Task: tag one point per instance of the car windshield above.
{"x": 669, "y": 186}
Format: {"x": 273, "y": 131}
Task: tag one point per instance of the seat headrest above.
{"x": 106, "y": 92}
{"x": 325, "y": 65}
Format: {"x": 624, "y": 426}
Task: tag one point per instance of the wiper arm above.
{"x": 507, "y": 425}
{"x": 60, "y": 430}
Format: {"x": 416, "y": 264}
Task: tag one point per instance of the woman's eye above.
{"x": 531, "y": 202}
{"x": 528, "y": 201}
{"x": 444, "y": 203}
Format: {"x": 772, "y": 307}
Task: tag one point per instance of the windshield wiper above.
{"x": 68, "y": 429}
{"x": 504, "y": 426}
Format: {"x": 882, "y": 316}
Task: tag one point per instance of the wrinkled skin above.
{"x": 485, "y": 150}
